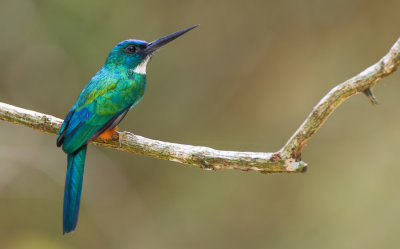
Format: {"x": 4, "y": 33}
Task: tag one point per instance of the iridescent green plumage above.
{"x": 102, "y": 104}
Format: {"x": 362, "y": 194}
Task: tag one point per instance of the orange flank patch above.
{"x": 109, "y": 134}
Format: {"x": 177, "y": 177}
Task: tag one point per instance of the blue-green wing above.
{"x": 100, "y": 105}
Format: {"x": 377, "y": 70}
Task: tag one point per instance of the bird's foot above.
{"x": 121, "y": 135}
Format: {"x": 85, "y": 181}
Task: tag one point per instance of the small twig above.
{"x": 285, "y": 160}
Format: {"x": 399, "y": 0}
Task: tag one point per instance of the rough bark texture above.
{"x": 285, "y": 160}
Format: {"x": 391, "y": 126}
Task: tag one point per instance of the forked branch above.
{"x": 288, "y": 159}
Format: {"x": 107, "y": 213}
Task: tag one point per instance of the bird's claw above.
{"x": 121, "y": 135}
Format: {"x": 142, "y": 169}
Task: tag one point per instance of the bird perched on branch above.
{"x": 100, "y": 107}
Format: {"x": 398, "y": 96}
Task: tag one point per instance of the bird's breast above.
{"x": 135, "y": 87}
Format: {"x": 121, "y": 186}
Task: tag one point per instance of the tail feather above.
{"x": 73, "y": 189}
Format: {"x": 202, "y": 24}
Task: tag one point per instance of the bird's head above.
{"x": 135, "y": 54}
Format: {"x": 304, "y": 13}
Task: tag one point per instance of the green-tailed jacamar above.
{"x": 102, "y": 104}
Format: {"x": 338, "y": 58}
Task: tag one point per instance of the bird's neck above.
{"x": 141, "y": 67}
{"x": 122, "y": 68}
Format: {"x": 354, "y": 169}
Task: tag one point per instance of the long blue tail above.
{"x": 73, "y": 189}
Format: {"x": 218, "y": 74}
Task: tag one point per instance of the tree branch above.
{"x": 361, "y": 83}
{"x": 285, "y": 160}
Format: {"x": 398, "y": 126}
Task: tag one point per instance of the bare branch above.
{"x": 361, "y": 83}
{"x": 285, "y": 160}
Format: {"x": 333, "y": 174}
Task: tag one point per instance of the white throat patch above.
{"x": 141, "y": 68}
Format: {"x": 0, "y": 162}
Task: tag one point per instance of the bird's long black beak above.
{"x": 157, "y": 44}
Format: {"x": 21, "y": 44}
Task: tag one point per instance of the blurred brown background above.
{"x": 244, "y": 80}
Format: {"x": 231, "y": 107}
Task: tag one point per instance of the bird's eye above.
{"x": 130, "y": 49}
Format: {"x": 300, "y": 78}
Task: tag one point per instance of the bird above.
{"x": 102, "y": 104}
